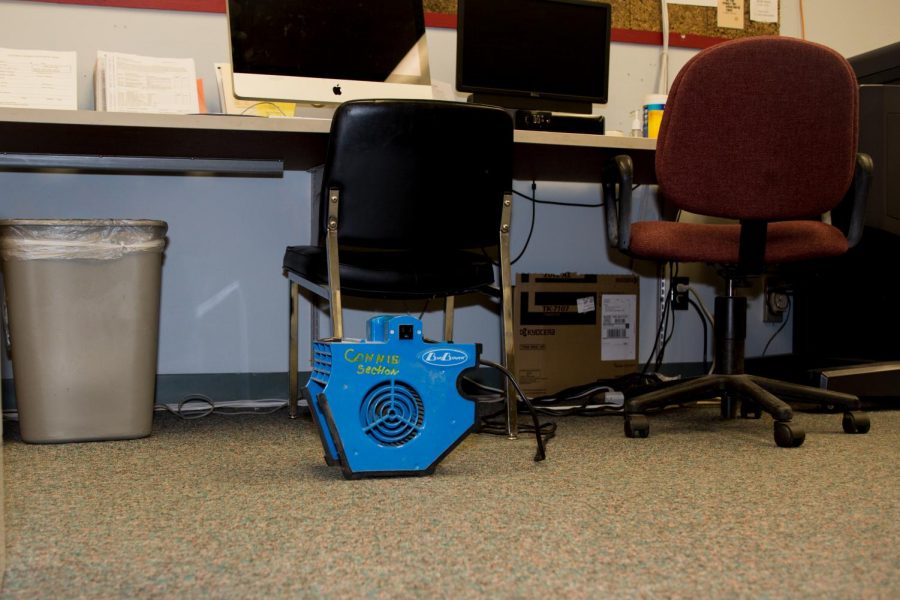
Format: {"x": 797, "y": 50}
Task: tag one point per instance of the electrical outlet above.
{"x": 776, "y": 301}
{"x": 776, "y": 304}
{"x": 680, "y": 293}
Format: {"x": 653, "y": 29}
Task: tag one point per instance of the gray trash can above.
{"x": 83, "y": 311}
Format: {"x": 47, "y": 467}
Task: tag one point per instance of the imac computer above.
{"x": 538, "y": 55}
{"x": 328, "y": 51}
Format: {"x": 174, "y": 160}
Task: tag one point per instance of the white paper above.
{"x": 618, "y": 317}
{"x": 585, "y": 305}
{"x": 38, "y": 79}
{"x": 764, "y": 11}
{"x": 730, "y": 13}
{"x": 99, "y": 85}
{"x": 145, "y": 84}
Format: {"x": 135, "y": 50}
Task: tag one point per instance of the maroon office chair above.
{"x": 761, "y": 131}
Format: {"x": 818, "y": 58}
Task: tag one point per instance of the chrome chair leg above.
{"x": 449, "y": 307}
{"x": 512, "y": 417}
{"x": 334, "y": 269}
{"x": 293, "y": 352}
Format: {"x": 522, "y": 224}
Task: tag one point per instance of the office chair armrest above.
{"x": 617, "y": 180}
{"x": 856, "y": 198}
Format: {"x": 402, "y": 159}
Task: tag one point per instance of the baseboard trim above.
{"x": 220, "y": 387}
{"x": 224, "y": 387}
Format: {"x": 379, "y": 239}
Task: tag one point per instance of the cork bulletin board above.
{"x": 640, "y": 21}
{"x": 636, "y": 21}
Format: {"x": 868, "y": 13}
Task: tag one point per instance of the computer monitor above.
{"x": 534, "y": 54}
{"x": 328, "y": 51}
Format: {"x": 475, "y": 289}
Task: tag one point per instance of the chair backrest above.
{"x": 418, "y": 174}
{"x": 761, "y": 128}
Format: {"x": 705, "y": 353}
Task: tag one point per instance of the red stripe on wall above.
{"x": 211, "y": 6}
{"x": 684, "y": 40}
{"x": 440, "y": 20}
{"x": 632, "y": 36}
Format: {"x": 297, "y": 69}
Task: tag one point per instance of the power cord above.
{"x": 705, "y": 331}
{"x": 593, "y": 399}
{"x": 787, "y": 313}
{"x": 495, "y": 424}
{"x": 706, "y": 312}
{"x": 604, "y": 397}
{"x": 674, "y": 268}
{"x": 182, "y": 411}
{"x": 263, "y": 103}
{"x": 556, "y": 202}
{"x": 541, "y": 431}
{"x": 662, "y": 330}
{"x": 496, "y": 394}
{"x": 424, "y": 308}
{"x": 533, "y": 219}
{"x": 534, "y": 202}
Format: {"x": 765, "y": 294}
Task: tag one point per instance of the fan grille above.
{"x": 392, "y": 413}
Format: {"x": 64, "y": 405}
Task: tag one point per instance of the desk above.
{"x": 32, "y": 139}
{"x": 37, "y": 140}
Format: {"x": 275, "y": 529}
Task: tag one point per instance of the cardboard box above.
{"x": 574, "y": 329}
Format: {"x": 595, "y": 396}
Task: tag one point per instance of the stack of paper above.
{"x": 145, "y": 84}
{"x": 38, "y": 79}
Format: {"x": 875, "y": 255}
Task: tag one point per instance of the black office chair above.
{"x": 762, "y": 131}
{"x": 415, "y": 199}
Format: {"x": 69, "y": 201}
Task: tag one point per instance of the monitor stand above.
{"x": 316, "y": 111}
{"x": 541, "y": 114}
{"x": 537, "y": 120}
{"x": 528, "y": 103}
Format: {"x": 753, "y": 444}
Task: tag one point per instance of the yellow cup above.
{"x": 654, "y": 105}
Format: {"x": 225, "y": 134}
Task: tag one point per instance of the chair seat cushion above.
{"x": 395, "y": 274}
{"x": 787, "y": 241}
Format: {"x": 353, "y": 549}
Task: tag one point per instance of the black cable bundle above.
{"x": 542, "y": 431}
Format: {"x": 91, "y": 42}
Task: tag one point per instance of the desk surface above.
{"x": 298, "y": 143}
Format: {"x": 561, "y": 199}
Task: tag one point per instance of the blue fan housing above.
{"x": 390, "y": 404}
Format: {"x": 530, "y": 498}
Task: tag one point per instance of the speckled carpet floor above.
{"x": 244, "y": 507}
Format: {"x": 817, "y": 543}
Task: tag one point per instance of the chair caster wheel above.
{"x": 788, "y": 435}
{"x": 855, "y": 422}
{"x": 636, "y": 426}
{"x": 750, "y": 411}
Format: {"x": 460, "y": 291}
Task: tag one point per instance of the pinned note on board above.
{"x": 730, "y": 13}
{"x": 764, "y": 11}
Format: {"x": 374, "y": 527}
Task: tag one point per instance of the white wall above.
{"x": 224, "y": 305}
{"x": 86, "y": 29}
{"x": 851, "y": 28}
{"x": 224, "y": 299}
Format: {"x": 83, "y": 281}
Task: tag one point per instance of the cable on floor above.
{"x": 182, "y": 411}
{"x": 542, "y": 432}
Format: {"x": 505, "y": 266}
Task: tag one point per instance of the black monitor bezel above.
{"x": 531, "y": 95}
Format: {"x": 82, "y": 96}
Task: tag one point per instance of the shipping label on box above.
{"x": 574, "y": 329}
